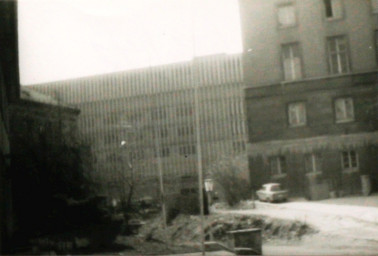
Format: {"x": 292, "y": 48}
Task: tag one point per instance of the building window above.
{"x": 141, "y": 135}
{"x": 333, "y": 9}
{"x": 140, "y": 153}
{"x": 344, "y": 111}
{"x": 163, "y": 132}
{"x": 134, "y": 117}
{"x": 185, "y": 130}
{"x": 286, "y": 15}
{"x": 297, "y": 114}
{"x": 292, "y": 63}
{"x": 164, "y": 152}
{"x": 160, "y": 133}
{"x": 313, "y": 163}
{"x": 374, "y": 6}
{"x": 349, "y": 160}
{"x": 338, "y": 55}
{"x": 159, "y": 113}
{"x": 132, "y": 155}
{"x": 187, "y": 150}
{"x": 136, "y": 154}
{"x": 278, "y": 166}
{"x": 236, "y": 107}
{"x": 184, "y": 110}
{"x": 376, "y": 44}
{"x": 238, "y": 146}
{"x": 236, "y": 127}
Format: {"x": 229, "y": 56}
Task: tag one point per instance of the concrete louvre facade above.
{"x": 122, "y": 114}
{"x": 9, "y": 93}
{"x": 312, "y": 91}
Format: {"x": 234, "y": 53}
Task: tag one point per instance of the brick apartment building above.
{"x": 312, "y": 92}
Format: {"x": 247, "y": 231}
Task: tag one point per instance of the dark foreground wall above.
{"x": 9, "y": 92}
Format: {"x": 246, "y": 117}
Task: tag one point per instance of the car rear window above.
{"x": 275, "y": 188}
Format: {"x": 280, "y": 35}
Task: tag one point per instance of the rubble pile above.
{"x": 187, "y": 228}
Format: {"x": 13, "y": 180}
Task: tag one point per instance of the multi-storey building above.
{"x": 311, "y": 99}
{"x": 9, "y": 92}
{"x": 132, "y": 117}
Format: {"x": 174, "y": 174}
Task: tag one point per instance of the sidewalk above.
{"x": 217, "y": 253}
{"x": 339, "y": 224}
{"x": 366, "y": 201}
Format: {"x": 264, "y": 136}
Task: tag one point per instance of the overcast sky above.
{"x": 60, "y": 39}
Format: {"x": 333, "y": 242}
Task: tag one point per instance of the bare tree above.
{"x": 229, "y": 175}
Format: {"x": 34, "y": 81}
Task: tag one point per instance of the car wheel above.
{"x": 270, "y": 200}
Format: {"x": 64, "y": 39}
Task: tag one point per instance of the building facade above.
{"x": 47, "y": 161}
{"x": 311, "y": 99}
{"x": 9, "y": 92}
{"x": 130, "y": 118}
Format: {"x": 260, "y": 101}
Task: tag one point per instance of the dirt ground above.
{"x": 340, "y": 226}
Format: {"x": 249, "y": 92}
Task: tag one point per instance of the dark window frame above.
{"x": 280, "y": 163}
{"x": 305, "y": 114}
{"x": 283, "y": 5}
{"x": 337, "y": 52}
{"x": 300, "y": 52}
{"x": 327, "y": 7}
{"x": 352, "y": 164}
{"x": 336, "y": 120}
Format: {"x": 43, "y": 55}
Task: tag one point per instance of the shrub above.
{"x": 182, "y": 204}
{"x": 227, "y": 174}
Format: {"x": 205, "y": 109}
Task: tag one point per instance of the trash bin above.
{"x": 245, "y": 241}
{"x": 366, "y": 185}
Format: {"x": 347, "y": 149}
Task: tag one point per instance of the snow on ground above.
{"x": 369, "y": 201}
{"x": 341, "y": 226}
{"x": 346, "y": 226}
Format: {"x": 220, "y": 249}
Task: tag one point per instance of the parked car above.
{"x": 272, "y": 192}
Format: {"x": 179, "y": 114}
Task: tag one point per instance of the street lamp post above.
{"x": 209, "y": 186}
{"x": 129, "y": 129}
{"x": 124, "y": 144}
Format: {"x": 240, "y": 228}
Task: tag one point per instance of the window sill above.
{"x": 278, "y": 176}
{"x": 293, "y": 80}
{"x": 287, "y": 26}
{"x": 313, "y": 173}
{"x": 334, "y": 19}
{"x": 349, "y": 171}
{"x": 297, "y": 125}
{"x": 347, "y": 72}
{"x": 344, "y": 121}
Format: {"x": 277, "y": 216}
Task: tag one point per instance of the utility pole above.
{"x": 199, "y": 153}
{"x": 160, "y": 169}
{"x": 195, "y": 83}
{"x": 159, "y": 164}
{"x": 157, "y": 145}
